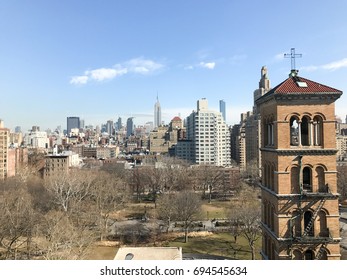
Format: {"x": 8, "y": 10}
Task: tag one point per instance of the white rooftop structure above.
{"x": 149, "y": 253}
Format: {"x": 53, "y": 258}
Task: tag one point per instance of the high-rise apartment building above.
{"x": 209, "y": 136}
{"x": 222, "y": 109}
{"x": 157, "y": 114}
{"x": 4, "y": 143}
{"x": 245, "y": 141}
{"x": 72, "y": 122}
{"x": 300, "y": 214}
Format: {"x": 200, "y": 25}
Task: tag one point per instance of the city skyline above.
{"x": 111, "y": 59}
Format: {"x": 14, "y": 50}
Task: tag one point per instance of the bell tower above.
{"x": 300, "y": 216}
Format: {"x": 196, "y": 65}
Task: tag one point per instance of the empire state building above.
{"x": 157, "y": 114}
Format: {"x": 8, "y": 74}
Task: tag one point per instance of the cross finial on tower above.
{"x": 292, "y": 56}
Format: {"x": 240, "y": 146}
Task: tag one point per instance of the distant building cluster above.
{"x": 202, "y": 138}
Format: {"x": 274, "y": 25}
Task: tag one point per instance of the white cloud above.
{"x": 102, "y": 74}
{"x": 143, "y": 66}
{"x": 336, "y": 64}
{"x": 79, "y": 80}
{"x": 208, "y": 65}
{"x": 309, "y": 68}
{"x": 332, "y": 66}
{"x": 136, "y": 65}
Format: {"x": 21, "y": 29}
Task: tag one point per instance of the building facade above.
{"x": 209, "y": 136}
{"x": 4, "y": 143}
{"x": 246, "y": 135}
{"x": 56, "y": 165}
{"x": 300, "y": 215}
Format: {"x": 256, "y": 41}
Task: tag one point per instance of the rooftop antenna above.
{"x": 292, "y": 55}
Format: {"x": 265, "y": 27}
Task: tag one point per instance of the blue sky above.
{"x": 103, "y": 59}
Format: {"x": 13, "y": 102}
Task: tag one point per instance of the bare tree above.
{"x": 166, "y": 209}
{"x": 70, "y": 189}
{"x": 18, "y": 221}
{"x": 136, "y": 181}
{"x": 110, "y": 194}
{"x": 246, "y": 217}
{"x": 154, "y": 178}
{"x": 252, "y": 172}
{"x": 63, "y": 239}
{"x": 177, "y": 174}
{"x": 210, "y": 177}
{"x": 187, "y": 206}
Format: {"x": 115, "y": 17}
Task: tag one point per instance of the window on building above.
{"x": 294, "y": 131}
{"x": 307, "y": 219}
{"x": 272, "y": 177}
{"x": 317, "y": 131}
{"x": 305, "y": 137}
{"x": 321, "y": 179}
{"x": 268, "y": 132}
{"x": 307, "y": 179}
{"x": 294, "y": 174}
{"x": 297, "y": 255}
{"x": 323, "y": 229}
{"x": 309, "y": 255}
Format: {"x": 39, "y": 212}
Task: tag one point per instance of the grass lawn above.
{"x": 220, "y": 244}
{"x": 215, "y": 210}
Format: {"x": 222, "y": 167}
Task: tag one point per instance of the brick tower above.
{"x": 300, "y": 217}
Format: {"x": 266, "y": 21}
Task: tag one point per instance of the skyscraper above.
{"x": 72, "y": 122}
{"x": 157, "y": 113}
{"x": 119, "y": 124}
{"x": 110, "y": 127}
{"x": 130, "y": 126}
{"x": 222, "y": 109}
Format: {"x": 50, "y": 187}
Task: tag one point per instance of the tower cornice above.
{"x": 304, "y": 152}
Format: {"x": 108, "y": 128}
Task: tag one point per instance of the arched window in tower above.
{"x": 308, "y": 227}
{"x": 294, "y": 131}
{"x": 296, "y": 223}
{"x": 307, "y": 179}
{"x": 265, "y": 180}
{"x": 318, "y": 131}
{"x": 305, "y": 136}
{"x": 309, "y": 255}
{"x": 266, "y": 132}
{"x": 294, "y": 177}
{"x": 297, "y": 255}
{"x": 324, "y": 254}
{"x": 323, "y": 229}
{"x": 272, "y": 177}
{"x": 272, "y": 217}
{"x": 321, "y": 179}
